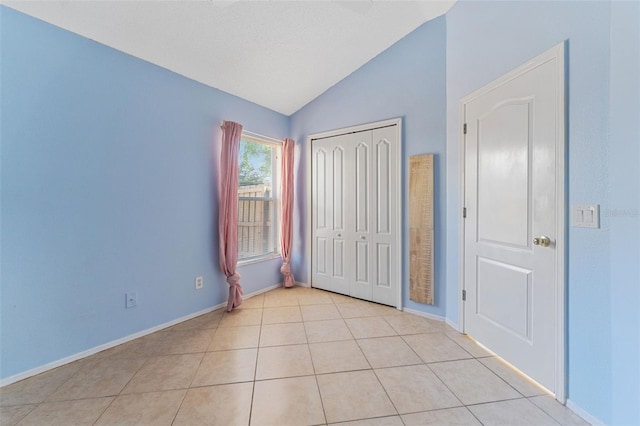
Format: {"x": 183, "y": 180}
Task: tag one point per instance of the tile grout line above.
{"x": 315, "y": 375}
{"x": 444, "y": 384}
{"x": 37, "y": 404}
{"x": 529, "y": 398}
{"x": 501, "y": 378}
{"x": 195, "y": 373}
{"x": 175, "y": 416}
{"x": 460, "y": 346}
{"x": 387, "y": 393}
{"x": 105, "y": 410}
{"x": 121, "y": 389}
{"x": 255, "y": 369}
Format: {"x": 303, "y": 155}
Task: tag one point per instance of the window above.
{"x": 258, "y": 196}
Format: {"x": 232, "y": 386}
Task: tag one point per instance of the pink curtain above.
{"x": 287, "y": 212}
{"x": 228, "y": 214}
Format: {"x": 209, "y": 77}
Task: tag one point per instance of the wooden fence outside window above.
{"x": 255, "y": 221}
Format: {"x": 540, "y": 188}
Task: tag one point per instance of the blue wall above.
{"x": 623, "y": 212}
{"x": 487, "y": 39}
{"x": 407, "y": 80}
{"x": 108, "y": 186}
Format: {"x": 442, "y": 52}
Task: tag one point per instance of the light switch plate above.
{"x": 585, "y": 216}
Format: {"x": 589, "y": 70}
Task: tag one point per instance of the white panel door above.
{"x": 510, "y": 197}
{"x": 355, "y": 225}
{"x": 384, "y": 218}
{"x": 329, "y": 215}
{"x": 359, "y": 214}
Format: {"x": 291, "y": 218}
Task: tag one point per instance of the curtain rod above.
{"x": 259, "y": 136}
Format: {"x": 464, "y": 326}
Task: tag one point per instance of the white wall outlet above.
{"x": 585, "y": 216}
{"x": 131, "y": 300}
{"x": 199, "y": 283}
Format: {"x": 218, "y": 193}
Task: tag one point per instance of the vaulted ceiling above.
{"x": 278, "y": 54}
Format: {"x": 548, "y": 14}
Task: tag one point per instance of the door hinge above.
{"x": 464, "y": 212}
{"x": 464, "y": 128}
{"x": 464, "y": 295}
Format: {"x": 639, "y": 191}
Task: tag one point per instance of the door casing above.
{"x": 558, "y": 52}
{"x": 396, "y": 196}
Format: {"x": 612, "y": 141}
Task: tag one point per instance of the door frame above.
{"x": 396, "y": 196}
{"x": 557, "y": 53}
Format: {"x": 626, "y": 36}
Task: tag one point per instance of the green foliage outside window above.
{"x": 255, "y": 163}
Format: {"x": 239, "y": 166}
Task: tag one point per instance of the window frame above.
{"x": 276, "y": 179}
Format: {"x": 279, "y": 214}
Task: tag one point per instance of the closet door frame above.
{"x": 396, "y": 195}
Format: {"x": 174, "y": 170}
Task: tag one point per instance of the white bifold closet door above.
{"x": 354, "y": 218}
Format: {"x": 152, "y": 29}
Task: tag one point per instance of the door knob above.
{"x": 542, "y": 240}
{"x": 363, "y": 238}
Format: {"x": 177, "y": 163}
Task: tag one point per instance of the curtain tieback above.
{"x": 234, "y": 280}
{"x": 286, "y": 268}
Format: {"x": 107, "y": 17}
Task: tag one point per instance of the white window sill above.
{"x": 267, "y": 257}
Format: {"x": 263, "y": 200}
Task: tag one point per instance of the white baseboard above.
{"x": 424, "y": 314}
{"x": 80, "y": 355}
{"x": 584, "y": 414}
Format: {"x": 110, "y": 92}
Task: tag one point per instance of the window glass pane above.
{"x": 256, "y": 200}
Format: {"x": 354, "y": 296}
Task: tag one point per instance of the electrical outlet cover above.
{"x": 199, "y": 282}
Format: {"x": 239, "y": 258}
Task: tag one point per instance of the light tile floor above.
{"x": 288, "y": 357}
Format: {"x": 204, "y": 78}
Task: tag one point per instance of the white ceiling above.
{"x": 278, "y": 54}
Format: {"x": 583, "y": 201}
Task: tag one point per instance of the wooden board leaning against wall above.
{"x": 421, "y": 228}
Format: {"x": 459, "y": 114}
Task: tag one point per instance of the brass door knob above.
{"x": 542, "y": 240}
